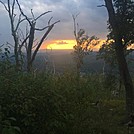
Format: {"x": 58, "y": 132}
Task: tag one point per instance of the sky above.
{"x": 91, "y": 18}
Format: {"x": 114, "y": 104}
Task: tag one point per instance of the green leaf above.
{"x": 17, "y": 129}
{"x": 12, "y": 118}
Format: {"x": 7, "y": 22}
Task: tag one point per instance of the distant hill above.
{"x": 62, "y": 60}
{"x": 59, "y": 61}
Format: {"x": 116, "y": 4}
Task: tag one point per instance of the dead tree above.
{"x": 31, "y": 47}
{"x": 27, "y": 41}
{"x": 15, "y": 23}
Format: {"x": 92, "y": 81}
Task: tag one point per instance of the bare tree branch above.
{"x": 24, "y": 41}
{"x": 42, "y": 15}
{"x": 101, "y": 6}
{"x": 50, "y": 20}
{"x": 35, "y": 45}
{"x": 41, "y": 29}
{"x": 4, "y": 5}
{"x": 13, "y": 7}
{"x": 8, "y": 4}
{"x": 32, "y": 13}
{"x": 10, "y": 44}
{"x": 19, "y": 21}
{"x": 75, "y": 27}
{"x": 41, "y": 41}
{"x": 2, "y": 45}
{"x": 28, "y": 19}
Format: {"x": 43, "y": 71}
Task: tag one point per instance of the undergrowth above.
{"x": 60, "y": 104}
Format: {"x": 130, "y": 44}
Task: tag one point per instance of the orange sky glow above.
{"x": 64, "y": 44}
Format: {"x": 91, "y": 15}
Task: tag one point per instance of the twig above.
{"x": 42, "y": 15}
{"x": 101, "y": 6}
{"x": 4, "y": 5}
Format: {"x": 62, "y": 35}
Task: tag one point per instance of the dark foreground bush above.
{"x": 46, "y": 104}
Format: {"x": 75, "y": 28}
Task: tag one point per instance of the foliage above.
{"x": 107, "y": 52}
{"x": 58, "y": 104}
{"x": 125, "y": 17}
{"x": 5, "y": 59}
{"x": 84, "y": 45}
{"x": 124, "y": 14}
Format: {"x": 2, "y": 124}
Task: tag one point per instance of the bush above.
{"x": 59, "y": 104}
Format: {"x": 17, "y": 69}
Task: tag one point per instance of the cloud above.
{"x": 91, "y": 18}
{"x": 61, "y": 43}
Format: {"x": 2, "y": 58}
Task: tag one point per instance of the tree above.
{"x": 108, "y": 54}
{"x": 124, "y": 10}
{"x": 10, "y": 8}
{"x": 119, "y": 39}
{"x": 83, "y": 46}
{"x": 27, "y": 41}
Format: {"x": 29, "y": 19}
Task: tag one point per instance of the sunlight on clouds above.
{"x": 65, "y": 44}
{"x": 59, "y": 44}
{"x": 62, "y": 44}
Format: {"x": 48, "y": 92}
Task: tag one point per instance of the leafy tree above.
{"x": 84, "y": 45}
{"x": 124, "y": 10}
{"x": 107, "y": 52}
{"x": 122, "y": 39}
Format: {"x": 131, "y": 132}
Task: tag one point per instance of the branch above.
{"x": 35, "y": 45}
{"x": 50, "y": 20}
{"x": 32, "y": 14}
{"x": 2, "y": 45}
{"x": 42, "y": 15}
{"x": 101, "y": 6}
{"x": 10, "y": 44}
{"x": 19, "y": 21}
{"x": 75, "y": 27}
{"x": 13, "y": 7}
{"x": 41, "y": 41}
{"x": 23, "y": 13}
{"x": 55, "y": 22}
{"x": 41, "y": 29}
{"x": 9, "y": 8}
{"x": 24, "y": 41}
{"x": 4, "y": 5}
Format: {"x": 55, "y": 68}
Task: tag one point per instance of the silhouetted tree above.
{"x": 121, "y": 42}
{"x": 83, "y": 46}
{"x": 15, "y": 23}
{"x": 27, "y": 41}
{"x": 107, "y": 52}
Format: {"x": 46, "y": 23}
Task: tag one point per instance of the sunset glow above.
{"x": 59, "y": 44}
{"x": 65, "y": 44}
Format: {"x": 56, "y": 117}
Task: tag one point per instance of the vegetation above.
{"x": 123, "y": 10}
{"x": 26, "y": 40}
{"x": 58, "y": 104}
{"x": 67, "y": 103}
{"x": 84, "y": 45}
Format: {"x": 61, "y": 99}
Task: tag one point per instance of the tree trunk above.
{"x": 125, "y": 75}
{"x": 17, "y": 65}
{"x": 29, "y": 49}
{"x": 123, "y": 67}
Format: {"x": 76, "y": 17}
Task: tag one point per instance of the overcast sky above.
{"x": 91, "y": 18}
